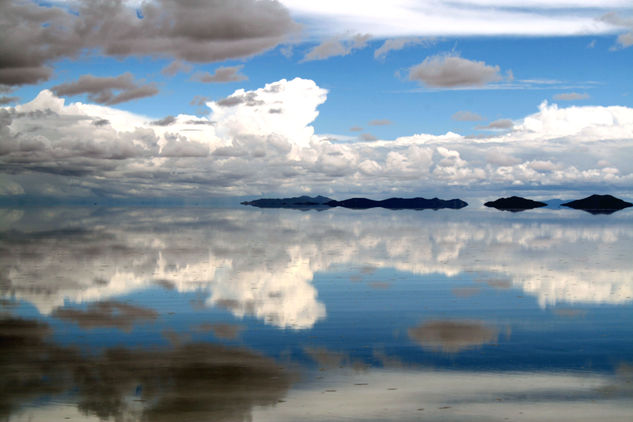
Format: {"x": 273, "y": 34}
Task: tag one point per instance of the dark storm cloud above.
{"x": 452, "y": 336}
{"x": 34, "y": 36}
{"x": 206, "y": 381}
{"x": 453, "y": 71}
{"x": 107, "y": 90}
{"x": 221, "y": 74}
{"x": 107, "y": 314}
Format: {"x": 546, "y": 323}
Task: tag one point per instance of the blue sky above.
{"x": 474, "y": 93}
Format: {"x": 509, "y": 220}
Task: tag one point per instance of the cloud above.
{"x": 165, "y": 121}
{"x": 102, "y": 89}
{"x": 453, "y": 71}
{"x": 624, "y": 39}
{"x": 380, "y": 122}
{"x": 367, "y": 137}
{"x": 221, "y": 74}
{"x": 356, "y": 129}
{"x": 500, "y": 124}
{"x": 571, "y": 96}
{"x": 467, "y": 116}
{"x": 452, "y": 336}
{"x": 400, "y": 18}
{"x": 399, "y": 43}
{"x": 34, "y": 36}
{"x": 240, "y": 147}
{"x": 176, "y": 67}
{"x": 337, "y": 46}
{"x": 8, "y": 100}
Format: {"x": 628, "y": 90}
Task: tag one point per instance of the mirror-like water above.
{"x": 226, "y": 314}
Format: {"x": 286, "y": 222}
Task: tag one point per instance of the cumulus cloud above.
{"x": 262, "y": 140}
{"x": 467, "y": 116}
{"x": 337, "y": 46}
{"x": 453, "y": 71}
{"x": 221, "y": 74}
{"x": 36, "y": 35}
{"x": 399, "y": 43}
{"x": 107, "y": 90}
{"x": 571, "y": 96}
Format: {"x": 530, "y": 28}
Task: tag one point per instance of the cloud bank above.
{"x": 262, "y": 141}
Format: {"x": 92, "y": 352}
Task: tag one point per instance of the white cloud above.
{"x": 401, "y": 18}
{"x": 263, "y": 141}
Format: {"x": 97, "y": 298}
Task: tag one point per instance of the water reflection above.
{"x": 197, "y": 314}
{"x": 263, "y": 263}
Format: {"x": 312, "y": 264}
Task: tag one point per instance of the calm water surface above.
{"x": 235, "y": 314}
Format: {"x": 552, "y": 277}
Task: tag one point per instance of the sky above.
{"x": 200, "y": 99}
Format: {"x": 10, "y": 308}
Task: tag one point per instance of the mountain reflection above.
{"x": 188, "y": 382}
{"x": 261, "y": 263}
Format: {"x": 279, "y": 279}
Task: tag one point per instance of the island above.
{"x": 599, "y": 204}
{"x": 514, "y": 204}
{"x": 322, "y": 202}
{"x": 298, "y": 202}
{"x": 400, "y": 203}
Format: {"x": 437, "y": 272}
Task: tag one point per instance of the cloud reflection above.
{"x": 261, "y": 263}
{"x": 452, "y": 336}
{"x": 194, "y": 381}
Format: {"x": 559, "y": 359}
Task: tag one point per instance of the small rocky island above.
{"x": 322, "y": 202}
{"x": 514, "y": 204}
{"x": 599, "y": 204}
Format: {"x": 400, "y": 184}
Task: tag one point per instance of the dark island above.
{"x": 322, "y": 202}
{"x": 599, "y": 204}
{"x": 300, "y": 202}
{"x": 514, "y": 204}
{"x": 400, "y": 203}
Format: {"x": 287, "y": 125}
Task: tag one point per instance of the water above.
{"x": 230, "y": 314}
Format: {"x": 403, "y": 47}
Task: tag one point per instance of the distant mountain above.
{"x": 302, "y": 202}
{"x": 400, "y": 203}
{"x": 599, "y": 204}
{"x": 514, "y": 203}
